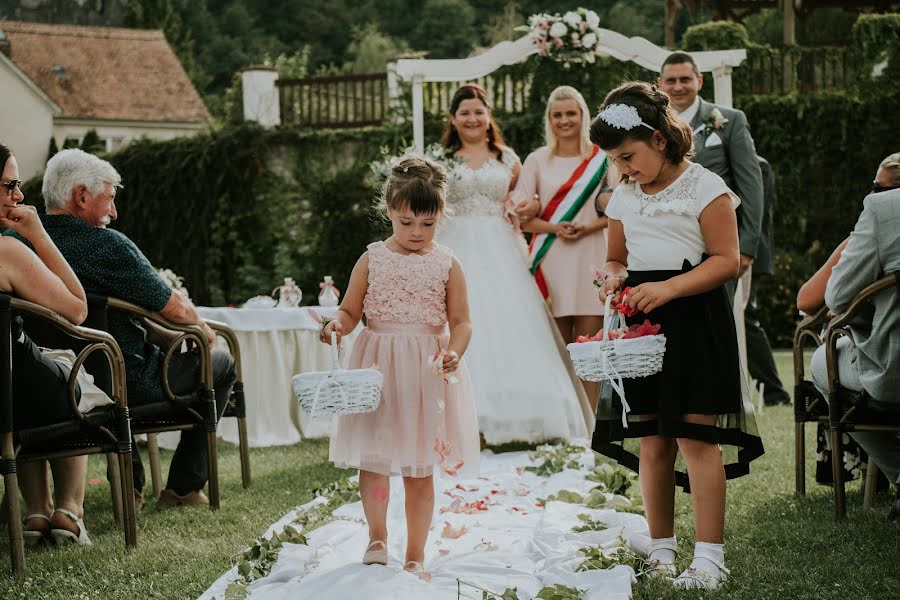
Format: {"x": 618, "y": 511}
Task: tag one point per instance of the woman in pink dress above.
{"x": 411, "y": 291}
{"x": 569, "y": 176}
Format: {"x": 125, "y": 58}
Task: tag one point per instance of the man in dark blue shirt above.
{"x": 79, "y": 192}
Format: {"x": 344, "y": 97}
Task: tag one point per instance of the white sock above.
{"x": 663, "y": 550}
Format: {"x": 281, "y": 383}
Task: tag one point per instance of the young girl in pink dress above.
{"x": 410, "y": 290}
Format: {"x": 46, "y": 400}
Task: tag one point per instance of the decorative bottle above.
{"x": 329, "y": 294}
{"x": 289, "y": 294}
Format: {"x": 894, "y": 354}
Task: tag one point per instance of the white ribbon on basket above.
{"x": 335, "y": 365}
{"x": 612, "y": 375}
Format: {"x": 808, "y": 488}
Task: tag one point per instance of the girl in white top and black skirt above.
{"x": 673, "y": 239}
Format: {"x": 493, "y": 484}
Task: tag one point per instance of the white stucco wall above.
{"x": 126, "y": 131}
{"x": 26, "y": 122}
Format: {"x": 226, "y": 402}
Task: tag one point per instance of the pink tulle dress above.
{"x": 422, "y": 421}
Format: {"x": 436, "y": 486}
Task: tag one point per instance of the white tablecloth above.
{"x": 276, "y": 344}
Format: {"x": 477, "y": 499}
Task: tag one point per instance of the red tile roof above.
{"x": 105, "y": 72}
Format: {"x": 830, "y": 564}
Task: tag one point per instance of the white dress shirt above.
{"x": 691, "y": 111}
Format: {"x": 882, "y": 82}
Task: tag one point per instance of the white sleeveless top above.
{"x": 662, "y": 230}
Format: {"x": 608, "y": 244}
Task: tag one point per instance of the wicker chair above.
{"x": 848, "y": 410}
{"x": 102, "y": 430}
{"x": 809, "y": 405}
{"x": 194, "y": 410}
{"x": 236, "y": 408}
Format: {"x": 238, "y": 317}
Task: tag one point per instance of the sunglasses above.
{"x": 11, "y": 185}
{"x": 876, "y": 189}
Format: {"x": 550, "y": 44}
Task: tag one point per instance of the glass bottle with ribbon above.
{"x": 329, "y": 295}
{"x": 289, "y": 294}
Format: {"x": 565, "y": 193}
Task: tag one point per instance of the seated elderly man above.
{"x": 79, "y": 193}
{"x": 871, "y": 251}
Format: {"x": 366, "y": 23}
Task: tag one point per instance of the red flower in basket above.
{"x": 623, "y": 307}
{"x": 645, "y": 328}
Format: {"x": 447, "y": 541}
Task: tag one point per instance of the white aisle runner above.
{"x": 508, "y": 539}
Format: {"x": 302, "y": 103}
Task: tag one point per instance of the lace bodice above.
{"x": 688, "y": 195}
{"x": 407, "y": 288}
{"x": 481, "y": 191}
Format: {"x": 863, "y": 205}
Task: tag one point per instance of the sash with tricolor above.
{"x": 563, "y": 207}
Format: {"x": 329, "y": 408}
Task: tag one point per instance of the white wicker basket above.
{"x": 338, "y": 391}
{"x": 611, "y": 359}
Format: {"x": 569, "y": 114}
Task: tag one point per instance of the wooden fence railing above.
{"x": 362, "y": 100}
{"x": 782, "y": 71}
{"x": 339, "y": 101}
{"x": 508, "y": 93}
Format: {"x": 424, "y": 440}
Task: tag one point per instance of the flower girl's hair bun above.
{"x": 417, "y": 183}
{"x": 610, "y": 128}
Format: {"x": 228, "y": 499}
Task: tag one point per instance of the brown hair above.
{"x": 653, "y": 107}
{"x": 415, "y": 182}
{"x": 450, "y": 137}
{"x": 5, "y": 153}
{"x": 680, "y": 58}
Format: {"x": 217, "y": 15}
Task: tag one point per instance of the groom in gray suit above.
{"x": 722, "y": 144}
{"x": 872, "y": 251}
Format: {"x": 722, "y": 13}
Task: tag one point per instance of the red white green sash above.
{"x": 563, "y": 207}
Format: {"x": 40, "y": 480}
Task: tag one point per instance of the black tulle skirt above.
{"x": 701, "y": 374}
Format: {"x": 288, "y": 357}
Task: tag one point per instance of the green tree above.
{"x": 52, "y": 149}
{"x": 92, "y": 143}
{"x": 501, "y": 27}
{"x": 371, "y": 50}
{"x": 644, "y": 18}
{"x": 446, "y": 29}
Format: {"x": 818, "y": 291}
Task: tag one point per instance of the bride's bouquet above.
{"x": 570, "y": 38}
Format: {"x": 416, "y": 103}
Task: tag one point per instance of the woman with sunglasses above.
{"x": 811, "y": 296}
{"x": 40, "y": 386}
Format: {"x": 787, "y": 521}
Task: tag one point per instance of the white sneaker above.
{"x": 660, "y": 570}
{"x": 694, "y": 578}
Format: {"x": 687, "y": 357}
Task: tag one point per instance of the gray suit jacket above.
{"x": 762, "y": 264}
{"x": 872, "y": 252}
{"x": 734, "y": 160}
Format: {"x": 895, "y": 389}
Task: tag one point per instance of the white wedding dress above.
{"x": 525, "y": 388}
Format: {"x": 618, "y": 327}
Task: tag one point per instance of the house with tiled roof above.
{"x": 60, "y": 81}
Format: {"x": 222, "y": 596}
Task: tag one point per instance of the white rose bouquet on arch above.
{"x": 573, "y": 37}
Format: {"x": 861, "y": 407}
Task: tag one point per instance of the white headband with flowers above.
{"x": 623, "y": 116}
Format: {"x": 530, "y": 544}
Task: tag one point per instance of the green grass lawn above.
{"x": 777, "y": 545}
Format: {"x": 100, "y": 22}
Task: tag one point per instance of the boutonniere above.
{"x": 715, "y": 120}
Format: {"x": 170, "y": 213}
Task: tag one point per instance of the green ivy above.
{"x": 598, "y": 559}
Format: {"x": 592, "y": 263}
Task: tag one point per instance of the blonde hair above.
{"x": 567, "y": 92}
{"x": 891, "y": 166}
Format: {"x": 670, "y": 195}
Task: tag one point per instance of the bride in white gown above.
{"x": 525, "y": 388}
